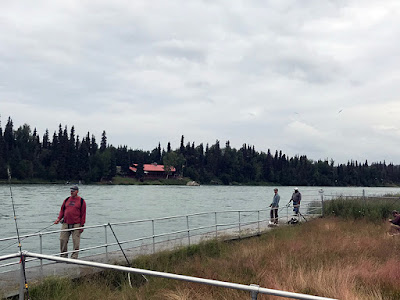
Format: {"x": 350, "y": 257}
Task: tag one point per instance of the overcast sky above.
{"x": 319, "y": 78}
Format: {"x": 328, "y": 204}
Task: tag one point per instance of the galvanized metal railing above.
{"x": 188, "y": 231}
{"x": 253, "y": 288}
{"x": 150, "y": 233}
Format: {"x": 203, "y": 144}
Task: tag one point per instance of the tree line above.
{"x": 67, "y": 156}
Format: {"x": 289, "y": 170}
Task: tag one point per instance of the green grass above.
{"x": 372, "y": 209}
{"x": 165, "y": 259}
{"x": 53, "y": 287}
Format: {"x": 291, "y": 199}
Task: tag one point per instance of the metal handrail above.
{"x": 138, "y": 221}
{"x": 128, "y": 222}
{"x": 132, "y": 222}
{"x": 240, "y": 223}
{"x": 253, "y": 289}
{"x": 47, "y": 232}
{"x": 184, "y": 216}
{"x": 217, "y": 225}
{"x": 9, "y": 256}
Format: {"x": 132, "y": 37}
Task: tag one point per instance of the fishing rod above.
{"x": 19, "y": 240}
{"x": 303, "y": 216}
{"x": 282, "y": 208}
{"x": 286, "y": 206}
{"x": 26, "y": 237}
{"x": 126, "y": 258}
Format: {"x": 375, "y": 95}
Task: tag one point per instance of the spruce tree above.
{"x": 103, "y": 144}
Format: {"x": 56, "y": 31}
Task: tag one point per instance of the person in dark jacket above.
{"x": 296, "y": 198}
{"x": 72, "y": 215}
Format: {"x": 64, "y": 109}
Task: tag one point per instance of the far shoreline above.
{"x": 163, "y": 181}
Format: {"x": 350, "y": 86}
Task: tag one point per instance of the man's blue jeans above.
{"x": 296, "y": 207}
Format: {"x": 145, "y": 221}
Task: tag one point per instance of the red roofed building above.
{"x": 153, "y": 171}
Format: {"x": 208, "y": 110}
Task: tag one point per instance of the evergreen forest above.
{"x": 64, "y": 156}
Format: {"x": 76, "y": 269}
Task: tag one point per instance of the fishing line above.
{"x": 394, "y": 201}
{"x": 26, "y": 237}
{"x": 123, "y": 252}
{"x": 283, "y": 207}
{"x": 19, "y": 240}
{"x": 299, "y": 213}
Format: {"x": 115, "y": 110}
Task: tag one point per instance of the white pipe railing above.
{"x": 253, "y": 289}
{"x": 9, "y": 256}
{"x": 242, "y": 220}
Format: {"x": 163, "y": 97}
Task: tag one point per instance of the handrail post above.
{"x": 254, "y": 294}
{"x": 239, "y": 225}
{"x": 105, "y": 240}
{"x": 188, "y": 230}
{"x": 287, "y": 214}
{"x": 216, "y": 225}
{"x": 322, "y": 202}
{"x": 41, "y": 252}
{"x": 22, "y": 282}
{"x": 154, "y": 239}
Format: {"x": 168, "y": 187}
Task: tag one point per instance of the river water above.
{"x": 37, "y": 206}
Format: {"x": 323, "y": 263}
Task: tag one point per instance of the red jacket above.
{"x": 72, "y": 212}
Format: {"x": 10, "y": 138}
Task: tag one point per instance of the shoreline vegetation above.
{"x": 120, "y": 180}
{"x": 347, "y": 255}
{"x": 66, "y": 156}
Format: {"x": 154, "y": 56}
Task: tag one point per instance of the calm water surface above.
{"x": 37, "y": 206}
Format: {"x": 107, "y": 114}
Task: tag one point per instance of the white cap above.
{"x": 296, "y": 188}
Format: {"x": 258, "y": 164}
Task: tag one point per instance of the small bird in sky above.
{"x": 340, "y": 111}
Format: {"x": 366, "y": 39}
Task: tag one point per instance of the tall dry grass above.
{"x": 330, "y": 257}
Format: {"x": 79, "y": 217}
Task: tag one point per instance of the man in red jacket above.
{"x": 72, "y": 215}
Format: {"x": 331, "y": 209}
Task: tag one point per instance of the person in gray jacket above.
{"x": 296, "y": 198}
{"x": 274, "y": 207}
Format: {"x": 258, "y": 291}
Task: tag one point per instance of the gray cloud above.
{"x": 273, "y": 74}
